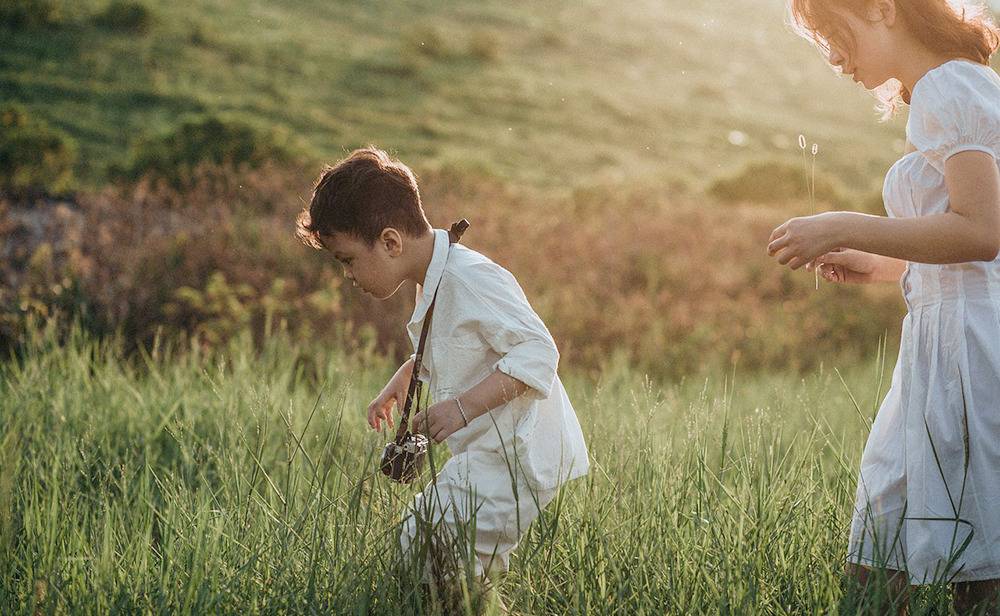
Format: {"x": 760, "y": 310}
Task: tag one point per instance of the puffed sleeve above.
{"x": 496, "y": 308}
{"x": 954, "y": 108}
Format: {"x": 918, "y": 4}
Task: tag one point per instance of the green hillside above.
{"x": 557, "y": 94}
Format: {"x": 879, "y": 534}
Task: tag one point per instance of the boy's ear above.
{"x": 391, "y": 241}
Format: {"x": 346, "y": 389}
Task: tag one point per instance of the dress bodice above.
{"x": 954, "y": 108}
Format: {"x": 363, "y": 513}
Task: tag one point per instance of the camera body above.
{"x": 402, "y": 461}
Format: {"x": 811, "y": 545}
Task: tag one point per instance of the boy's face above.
{"x": 375, "y": 268}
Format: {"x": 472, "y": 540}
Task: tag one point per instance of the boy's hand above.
{"x": 381, "y": 407}
{"x": 439, "y": 421}
{"x": 393, "y": 394}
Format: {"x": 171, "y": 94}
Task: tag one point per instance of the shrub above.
{"x": 126, "y": 16}
{"x": 427, "y": 42}
{"x": 772, "y": 181}
{"x": 485, "y": 46}
{"x": 174, "y": 155}
{"x": 29, "y": 14}
{"x": 664, "y": 282}
{"x": 33, "y": 156}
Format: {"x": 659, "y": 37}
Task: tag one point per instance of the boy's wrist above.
{"x": 461, "y": 409}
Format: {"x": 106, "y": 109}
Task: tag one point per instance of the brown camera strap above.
{"x": 413, "y": 392}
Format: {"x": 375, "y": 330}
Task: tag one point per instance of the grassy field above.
{"x": 559, "y": 95}
{"x": 236, "y": 476}
{"x": 242, "y": 483}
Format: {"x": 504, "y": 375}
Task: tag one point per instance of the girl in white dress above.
{"x": 928, "y": 501}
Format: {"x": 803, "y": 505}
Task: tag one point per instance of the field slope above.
{"x": 558, "y": 94}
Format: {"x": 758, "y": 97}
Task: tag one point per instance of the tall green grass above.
{"x": 233, "y": 481}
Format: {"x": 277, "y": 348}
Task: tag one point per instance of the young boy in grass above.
{"x": 489, "y": 361}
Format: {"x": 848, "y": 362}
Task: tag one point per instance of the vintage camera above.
{"x": 402, "y": 460}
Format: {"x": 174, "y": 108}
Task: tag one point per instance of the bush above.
{"x": 33, "y": 156}
{"x": 173, "y": 156}
{"x": 664, "y": 282}
{"x": 29, "y": 14}
{"x": 424, "y": 43}
{"x": 485, "y": 46}
{"x": 126, "y": 16}
{"x": 771, "y": 181}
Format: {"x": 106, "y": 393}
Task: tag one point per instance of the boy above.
{"x": 489, "y": 360}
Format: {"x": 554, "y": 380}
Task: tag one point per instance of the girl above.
{"x": 928, "y": 499}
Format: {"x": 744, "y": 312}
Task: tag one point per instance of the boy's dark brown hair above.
{"x": 361, "y": 195}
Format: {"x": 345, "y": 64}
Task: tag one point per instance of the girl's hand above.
{"x": 846, "y": 265}
{"x": 856, "y": 266}
{"x": 439, "y": 421}
{"x": 802, "y": 240}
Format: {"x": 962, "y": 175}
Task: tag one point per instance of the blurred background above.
{"x": 625, "y": 160}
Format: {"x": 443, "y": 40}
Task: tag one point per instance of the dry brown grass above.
{"x": 670, "y": 282}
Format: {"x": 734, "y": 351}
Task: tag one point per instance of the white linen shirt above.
{"x": 482, "y": 322}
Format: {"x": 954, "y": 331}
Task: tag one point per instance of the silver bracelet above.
{"x": 461, "y": 410}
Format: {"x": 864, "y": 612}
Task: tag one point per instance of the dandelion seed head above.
{"x": 737, "y": 138}
{"x": 802, "y": 141}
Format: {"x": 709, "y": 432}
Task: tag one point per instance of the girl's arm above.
{"x": 441, "y": 420}
{"x": 969, "y": 232}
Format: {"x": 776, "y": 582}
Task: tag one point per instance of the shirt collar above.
{"x": 435, "y": 270}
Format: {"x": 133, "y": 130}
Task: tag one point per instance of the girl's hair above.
{"x": 959, "y": 28}
{"x": 361, "y": 195}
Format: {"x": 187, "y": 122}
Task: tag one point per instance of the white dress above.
{"x": 928, "y": 498}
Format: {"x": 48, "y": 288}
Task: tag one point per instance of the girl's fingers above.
{"x": 837, "y": 256}
{"x": 785, "y": 258}
{"x": 777, "y": 245}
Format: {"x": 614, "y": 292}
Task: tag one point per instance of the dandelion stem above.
{"x": 810, "y": 185}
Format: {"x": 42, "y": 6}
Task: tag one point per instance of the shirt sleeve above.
{"x": 955, "y": 108}
{"x": 495, "y": 307}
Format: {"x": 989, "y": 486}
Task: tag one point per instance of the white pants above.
{"x": 475, "y": 510}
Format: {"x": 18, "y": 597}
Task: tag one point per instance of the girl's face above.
{"x": 864, "y": 51}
